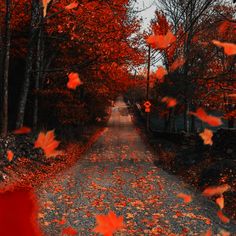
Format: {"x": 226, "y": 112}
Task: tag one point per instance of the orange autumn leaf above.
{"x": 10, "y": 155}
{"x": 71, "y": 6}
{"x": 45, "y": 6}
{"x": 229, "y": 48}
{"x": 161, "y": 41}
{"x": 46, "y": 141}
{"x": 74, "y": 81}
{"x": 187, "y": 198}
{"x": 220, "y": 202}
{"x": 206, "y": 136}
{"x": 223, "y": 27}
{"x": 179, "y": 62}
{"x": 108, "y": 224}
{"x": 170, "y": 102}
{"x": 22, "y": 130}
{"x": 208, "y": 233}
{"x": 160, "y": 73}
{"x": 69, "y": 231}
{"x": 216, "y": 190}
{"x": 209, "y": 119}
{"x": 222, "y": 217}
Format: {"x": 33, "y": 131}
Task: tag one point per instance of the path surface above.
{"x": 117, "y": 174}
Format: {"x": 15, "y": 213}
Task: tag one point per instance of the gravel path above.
{"x": 117, "y": 174}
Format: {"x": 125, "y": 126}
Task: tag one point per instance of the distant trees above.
{"x": 208, "y": 75}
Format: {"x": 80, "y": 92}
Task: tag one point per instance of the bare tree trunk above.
{"x": 29, "y": 63}
{"x": 6, "y": 68}
{"x": 39, "y": 67}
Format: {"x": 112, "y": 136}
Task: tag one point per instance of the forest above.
{"x": 98, "y": 111}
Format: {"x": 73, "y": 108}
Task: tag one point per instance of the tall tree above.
{"x": 7, "y": 44}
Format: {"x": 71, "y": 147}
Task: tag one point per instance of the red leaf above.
{"x": 185, "y": 197}
{"x": 74, "y": 81}
{"x": 160, "y": 73}
{"x": 229, "y": 48}
{"x": 216, "y": 190}
{"x": 222, "y": 217}
{"x": 177, "y": 64}
{"x": 161, "y": 41}
{"x": 220, "y": 202}
{"x": 71, "y": 6}
{"x": 69, "y": 231}
{"x": 108, "y": 224}
{"x": 170, "y": 102}
{"x": 22, "y": 130}
{"x": 206, "y": 136}
{"x": 10, "y": 155}
{"x": 209, "y": 119}
{"x": 47, "y": 142}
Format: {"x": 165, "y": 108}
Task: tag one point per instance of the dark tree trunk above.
{"x": 35, "y": 21}
{"x": 6, "y": 68}
{"x": 39, "y": 67}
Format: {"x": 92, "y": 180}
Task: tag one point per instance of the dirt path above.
{"x": 117, "y": 174}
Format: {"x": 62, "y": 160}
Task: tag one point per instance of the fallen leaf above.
{"x": 187, "y": 198}
{"x": 108, "y": 224}
{"x": 224, "y": 233}
{"x": 229, "y": 48}
{"x": 209, "y": 119}
{"x": 10, "y": 155}
{"x": 206, "y": 136}
{"x": 216, "y": 190}
{"x": 208, "y": 233}
{"x": 69, "y": 231}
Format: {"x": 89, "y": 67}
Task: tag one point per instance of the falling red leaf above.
{"x": 216, "y": 190}
{"x": 209, "y": 119}
{"x": 160, "y": 73}
{"x": 206, "y": 136}
{"x": 22, "y": 130}
{"x": 229, "y": 48}
{"x": 18, "y": 214}
{"x": 170, "y": 102}
{"x": 45, "y": 6}
{"x": 74, "y": 81}
{"x": 187, "y": 198}
{"x": 47, "y": 142}
{"x": 10, "y": 155}
{"x": 177, "y": 64}
{"x": 71, "y": 6}
{"x": 222, "y": 217}
{"x": 220, "y": 202}
{"x": 69, "y": 231}
{"x": 108, "y": 224}
{"x": 161, "y": 41}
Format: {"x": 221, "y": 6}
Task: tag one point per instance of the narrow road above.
{"x": 117, "y": 174}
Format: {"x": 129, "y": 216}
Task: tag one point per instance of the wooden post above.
{"x": 147, "y": 94}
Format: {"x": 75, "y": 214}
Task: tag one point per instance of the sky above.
{"x": 148, "y": 13}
